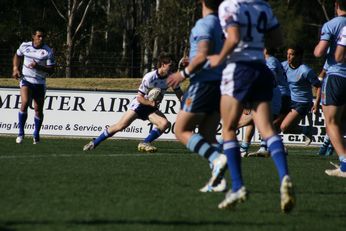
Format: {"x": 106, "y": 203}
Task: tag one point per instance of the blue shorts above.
{"x": 302, "y": 108}
{"x": 202, "y": 97}
{"x": 334, "y": 91}
{"x": 285, "y": 104}
{"x": 143, "y": 111}
{"x": 276, "y": 101}
{"x": 248, "y": 82}
{"x": 38, "y": 91}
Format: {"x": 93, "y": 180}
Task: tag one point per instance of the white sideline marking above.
{"x": 87, "y": 155}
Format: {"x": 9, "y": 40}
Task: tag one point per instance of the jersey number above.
{"x": 261, "y": 25}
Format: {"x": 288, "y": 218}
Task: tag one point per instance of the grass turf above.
{"x": 56, "y": 186}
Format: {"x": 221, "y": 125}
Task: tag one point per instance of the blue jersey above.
{"x": 330, "y": 32}
{"x": 275, "y": 66}
{"x": 254, "y": 18}
{"x": 300, "y": 80}
{"x": 207, "y": 28}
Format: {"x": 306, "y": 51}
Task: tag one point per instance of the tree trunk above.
{"x": 69, "y": 42}
{"x": 156, "y": 41}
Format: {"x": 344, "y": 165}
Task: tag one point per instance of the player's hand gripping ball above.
{"x": 155, "y": 94}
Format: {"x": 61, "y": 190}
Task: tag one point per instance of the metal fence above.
{"x": 109, "y": 65}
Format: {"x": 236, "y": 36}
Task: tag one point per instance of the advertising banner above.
{"x": 76, "y": 113}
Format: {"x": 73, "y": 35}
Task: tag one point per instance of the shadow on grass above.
{"x": 99, "y": 222}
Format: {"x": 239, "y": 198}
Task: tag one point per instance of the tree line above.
{"x": 121, "y": 38}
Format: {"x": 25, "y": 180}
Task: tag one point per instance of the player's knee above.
{"x": 283, "y": 127}
{"x": 166, "y": 124}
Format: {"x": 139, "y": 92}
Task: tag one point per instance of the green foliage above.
{"x": 118, "y": 39}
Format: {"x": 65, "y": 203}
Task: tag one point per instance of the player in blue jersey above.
{"x": 37, "y": 62}
{"x": 248, "y": 82}
{"x": 202, "y": 99}
{"x": 143, "y": 108}
{"x": 334, "y": 87}
{"x": 300, "y": 79}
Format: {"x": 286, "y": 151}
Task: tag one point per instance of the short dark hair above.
{"x": 40, "y": 29}
{"x": 342, "y": 4}
{"x": 164, "y": 58}
{"x": 298, "y": 50}
{"x": 213, "y": 4}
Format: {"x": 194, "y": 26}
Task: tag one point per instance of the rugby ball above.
{"x": 155, "y": 94}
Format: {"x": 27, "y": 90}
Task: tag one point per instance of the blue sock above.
{"x": 153, "y": 135}
{"x": 277, "y": 151}
{"x": 103, "y": 136}
{"x": 263, "y": 144}
{"x": 342, "y": 159}
{"x": 22, "y": 116}
{"x": 326, "y": 141}
{"x": 38, "y": 122}
{"x": 244, "y": 147}
{"x": 232, "y": 152}
{"x": 199, "y": 145}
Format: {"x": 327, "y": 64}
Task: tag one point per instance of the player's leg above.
{"x": 25, "y": 95}
{"x": 247, "y": 122}
{"x": 201, "y": 142}
{"x": 262, "y": 119}
{"x": 161, "y": 124}
{"x": 128, "y": 117}
{"x": 290, "y": 122}
{"x": 284, "y": 110}
{"x": 324, "y": 146}
{"x": 334, "y": 106}
{"x": 207, "y": 128}
{"x": 246, "y": 142}
{"x": 333, "y": 115}
{"x": 231, "y": 110}
{"x": 275, "y": 105}
{"x": 39, "y": 93}
{"x": 276, "y": 148}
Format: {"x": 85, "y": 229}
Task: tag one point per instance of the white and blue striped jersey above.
{"x": 330, "y": 32}
{"x": 275, "y": 66}
{"x": 300, "y": 80}
{"x": 42, "y": 56}
{"x": 207, "y": 28}
{"x": 150, "y": 80}
{"x": 254, "y": 18}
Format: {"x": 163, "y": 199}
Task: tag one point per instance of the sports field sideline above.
{"x": 57, "y": 186}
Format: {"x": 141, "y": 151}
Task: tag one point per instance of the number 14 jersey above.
{"x": 254, "y": 18}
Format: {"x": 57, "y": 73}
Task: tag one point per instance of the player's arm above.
{"x": 316, "y": 83}
{"x": 321, "y": 48}
{"x": 16, "y": 65}
{"x": 321, "y": 76}
{"x": 195, "y": 64}
{"x": 231, "y": 42}
{"x": 44, "y": 68}
{"x": 142, "y": 100}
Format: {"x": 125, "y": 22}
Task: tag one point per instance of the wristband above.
{"x": 185, "y": 73}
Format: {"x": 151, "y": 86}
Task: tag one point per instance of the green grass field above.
{"x": 56, "y": 186}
